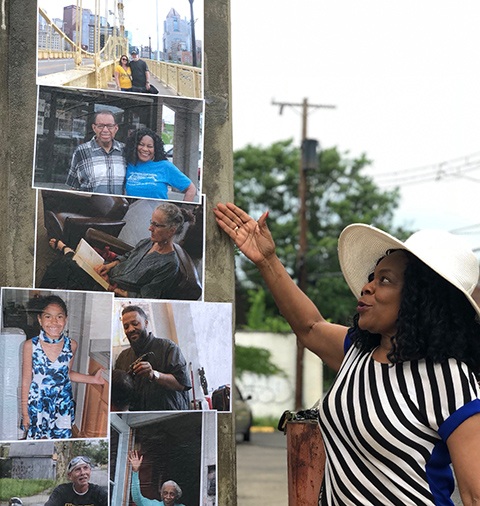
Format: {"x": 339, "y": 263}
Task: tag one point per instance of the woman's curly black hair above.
{"x": 435, "y": 321}
{"x": 133, "y": 140}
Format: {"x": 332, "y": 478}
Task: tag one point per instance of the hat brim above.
{"x": 361, "y": 246}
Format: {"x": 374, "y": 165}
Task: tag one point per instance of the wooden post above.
{"x": 305, "y": 462}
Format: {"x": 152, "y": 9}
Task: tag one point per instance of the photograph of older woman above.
{"x": 163, "y": 447}
{"x": 405, "y": 404}
{"x": 154, "y": 268}
{"x": 123, "y": 74}
{"x": 149, "y": 173}
{"x": 170, "y": 492}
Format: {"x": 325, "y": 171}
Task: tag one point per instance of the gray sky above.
{"x": 404, "y": 76}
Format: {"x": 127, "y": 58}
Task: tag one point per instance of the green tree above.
{"x": 255, "y": 360}
{"x": 339, "y": 193}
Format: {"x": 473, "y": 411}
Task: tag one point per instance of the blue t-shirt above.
{"x": 152, "y": 179}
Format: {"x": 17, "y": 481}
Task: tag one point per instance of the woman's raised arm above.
{"x": 255, "y": 241}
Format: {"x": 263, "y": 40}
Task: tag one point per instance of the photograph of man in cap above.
{"x": 79, "y": 492}
{"x": 140, "y": 74}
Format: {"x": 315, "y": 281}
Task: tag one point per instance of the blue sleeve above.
{"x": 458, "y": 417}
{"x": 138, "y": 498}
{"x": 348, "y": 341}
{"x": 177, "y": 178}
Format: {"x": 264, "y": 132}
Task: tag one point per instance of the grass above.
{"x": 10, "y": 487}
{"x": 265, "y": 421}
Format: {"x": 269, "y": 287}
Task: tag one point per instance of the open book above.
{"x": 87, "y": 258}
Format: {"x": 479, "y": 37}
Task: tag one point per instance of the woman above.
{"x": 123, "y": 74}
{"x": 149, "y": 173}
{"x": 170, "y": 492}
{"x": 48, "y": 407}
{"x": 149, "y": 270}
{"x": 405, "y": 402}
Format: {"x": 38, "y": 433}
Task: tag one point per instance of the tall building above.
{"x": 176, "y": 36}
{"x": 48, "y": 37}
{"x": 105, "y": 31}
{"x": 70, "y": 20}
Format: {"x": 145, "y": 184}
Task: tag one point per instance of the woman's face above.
{"x": 53, "y": 320}
{"x": 169, "y": 494}
{"x": 145, "y": 149}
{"x": 160, "y": 230}
{"x": 379, "y": 303}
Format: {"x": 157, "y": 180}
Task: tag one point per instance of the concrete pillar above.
{"x": 17, "y": 199}
{"x": 218, "y": 186}
{"x": 186, "y": 147}
{"x": 17, "y": 119}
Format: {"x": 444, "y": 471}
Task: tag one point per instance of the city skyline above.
{"x": 139, "y": 26}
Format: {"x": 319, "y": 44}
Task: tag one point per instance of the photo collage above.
{"x": 114, "y": 366}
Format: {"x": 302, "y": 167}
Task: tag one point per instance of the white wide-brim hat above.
{"x": 360, "y": 247}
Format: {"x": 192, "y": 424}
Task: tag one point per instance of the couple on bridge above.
{"x": 133, "y": 75}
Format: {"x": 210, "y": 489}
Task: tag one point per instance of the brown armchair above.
{"x": 67, "y": 216}
{"x": 187, "y": 286}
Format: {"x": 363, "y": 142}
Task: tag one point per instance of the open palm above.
{"x": 252, "y": 238}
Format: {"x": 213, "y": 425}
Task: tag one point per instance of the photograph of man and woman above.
{"x": 128, "y": 144}
{"x": 55, "y": 360}
{"x": 163, "y": 459}
{"x": 171, "y": 355}
{"x": 131, "y": 247}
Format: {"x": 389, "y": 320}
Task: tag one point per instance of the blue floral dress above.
{"x": 50, "y": 400}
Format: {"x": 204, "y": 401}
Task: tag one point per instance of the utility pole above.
{"x": 301, "y": 266}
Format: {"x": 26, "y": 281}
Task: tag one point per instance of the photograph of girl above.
{"x": 58, "y": 390}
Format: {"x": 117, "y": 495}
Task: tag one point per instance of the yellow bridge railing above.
{"x": 184, "y": 80}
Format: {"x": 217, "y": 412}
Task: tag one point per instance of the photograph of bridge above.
{"x": 80, "y": 43}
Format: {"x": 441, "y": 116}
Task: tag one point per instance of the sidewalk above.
{"x": 262, "y": 470}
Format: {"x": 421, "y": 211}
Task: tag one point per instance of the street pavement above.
{"x": 262, "y": 471}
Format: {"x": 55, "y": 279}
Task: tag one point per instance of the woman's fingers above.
{"x": 231, "y": 219}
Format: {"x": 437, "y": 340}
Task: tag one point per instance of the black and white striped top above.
{"x": 385, "y": 428}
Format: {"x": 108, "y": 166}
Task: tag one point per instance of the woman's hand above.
{"x": 135, "y": 460}
{"x": 118, "y": 291}
{"x": 104, "y": 269}
{"x": 253, "y": 238}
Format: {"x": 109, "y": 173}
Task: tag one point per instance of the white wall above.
{"x": 271, "y": 396}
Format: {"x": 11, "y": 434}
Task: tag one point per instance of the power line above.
{"x": 458, "y": 167}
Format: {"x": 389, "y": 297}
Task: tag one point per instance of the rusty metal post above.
{"x": 305, "y": 462}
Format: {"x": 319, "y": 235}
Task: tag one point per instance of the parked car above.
{"x": 243, "y": 414}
